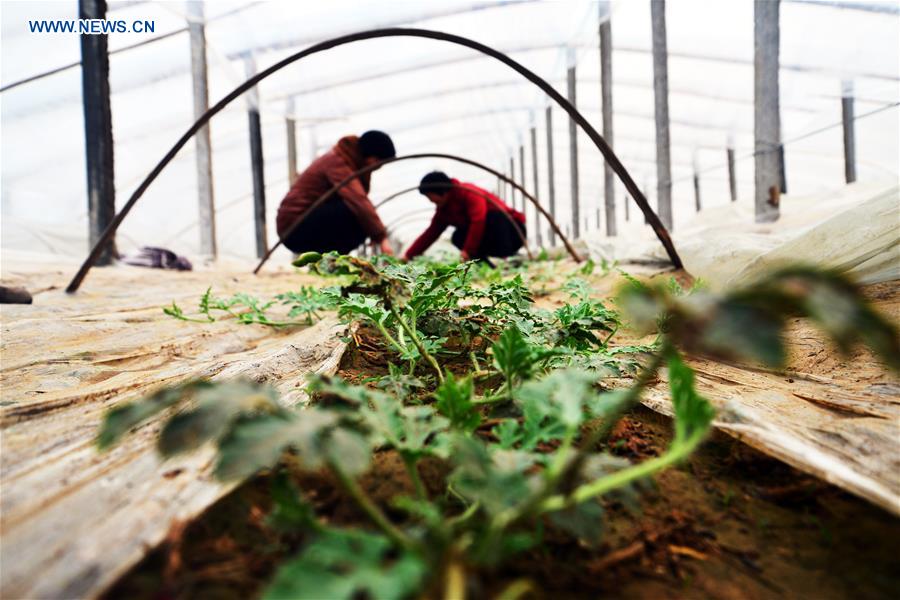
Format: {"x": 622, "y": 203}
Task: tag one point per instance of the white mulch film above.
{"x": 436, "y": 97}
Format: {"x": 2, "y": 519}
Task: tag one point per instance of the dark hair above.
{"x": 436, "y": 182}
{"x": 377, "y": 144}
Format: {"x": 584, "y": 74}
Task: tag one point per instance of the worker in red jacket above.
{"x": 348, "y": 218}
{"x": 481, "y": 228}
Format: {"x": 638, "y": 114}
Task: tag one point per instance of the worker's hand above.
{"x": 385, "y": 247}
{"x": 464, "y": 256}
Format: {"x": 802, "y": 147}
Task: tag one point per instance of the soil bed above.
{"x": 730, "y": 523}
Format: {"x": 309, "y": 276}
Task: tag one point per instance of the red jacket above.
{"x": 466, "y": 206}
{"x": 325, "y": 172}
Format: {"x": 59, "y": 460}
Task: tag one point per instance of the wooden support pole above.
{"x": 661, "y": 104}
{"x": 98, "y": 137}
{"x": 523, "y": 181}
{"x": 551, "y": 184}
{"x": 538, "y": 238}
{"x": 606, "y": 95}
{"x": 290, "y": 122}
{"x": 512, "y": 175}
{"x": 573, "y": 151}
{"x": 769, "y": 177}
{"x": 256, "y": 161}
{"x": 205, "y": 196}
{"x": 732, "y": 176}
{"x": 849, "y": 132}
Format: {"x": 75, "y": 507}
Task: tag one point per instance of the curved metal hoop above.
{"x": 350, "y": 178}
{"x": 576, "y": 116}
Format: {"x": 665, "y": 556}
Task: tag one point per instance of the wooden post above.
{"x": 661, "y": 102}
{"x": 551, "y": 185}
{"x": 732, "y": 177}
{"x": 627, "y": 203}
{"x": 97, "y": 130}
{"x": 538, "y": 238}
{"x": 522, "y": 180}
{"x": 606, "y": 84}
{"x": 256, "y": 161}
{"x": 512, "y": 175}
{"x": 769, "y": 182}
{"x": 849, "y": 132}
{"x": 205, "y": 197}
{"x": 290, "y": 122}
{"x": 573, "y": 150}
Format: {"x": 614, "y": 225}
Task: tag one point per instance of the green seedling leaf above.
{"x": 509, "y": 433}
{"x": 411, "y": 430}
{"x": 258, "y": 442}
{"x": 353, "y": 394}
{"x": 454, "y": 401}
{"x": 516, "y": 358}
{"x": 349, "y": 450}
{"x": 307, "y": 258}
{"x": 121, "y": 419}
{"x": 582, "y": 521}
{"x": 289, "y": 511}
{"x": 562, "y": 396}
{"x": 693, "y": 413}
{"x": 347, "y": 564}
{"x": 218, "y": 405}
{"x": 496, "y": 480}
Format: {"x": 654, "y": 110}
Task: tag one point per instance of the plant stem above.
{"x": 371, "y": 509}
{"x": 413, "y": 473}
{"x": 455, "y": 581}
{"x": 621, "y": 478}
{"x": 516, "y": 590}
{"x": 474, "y": 361}
{"x": 418, "y": 343}
{"x": 386, "y": 334}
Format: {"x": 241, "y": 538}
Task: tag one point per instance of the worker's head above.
{"x": 436, "y": 187}
{"x": 376, "y": 146}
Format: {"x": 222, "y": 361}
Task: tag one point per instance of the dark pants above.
{"x": 331, "y": 226}
{"x": 500, "y": 238}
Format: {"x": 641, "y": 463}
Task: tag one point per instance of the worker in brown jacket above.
{"x": 343, "y": 222}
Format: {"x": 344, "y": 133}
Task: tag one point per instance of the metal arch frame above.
{"x": 596, "y": 138}
{"x": 368, "y": 169}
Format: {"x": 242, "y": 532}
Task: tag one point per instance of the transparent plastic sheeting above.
{"x": 852, "y": 229}
{"x": 433, "y": 97}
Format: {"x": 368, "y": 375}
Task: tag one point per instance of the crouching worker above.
{"x": 481, "y": 227}
{"x": 344, "y": 221}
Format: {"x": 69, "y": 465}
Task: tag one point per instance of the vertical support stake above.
{"x": 661, "y": 106}
{"x": 769, "y": 170}
{"x": 205, "y": 197}
{"x": 97, "y": 130}
{"x": 573, "y": 149}
{"x": 256, "y": 161}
